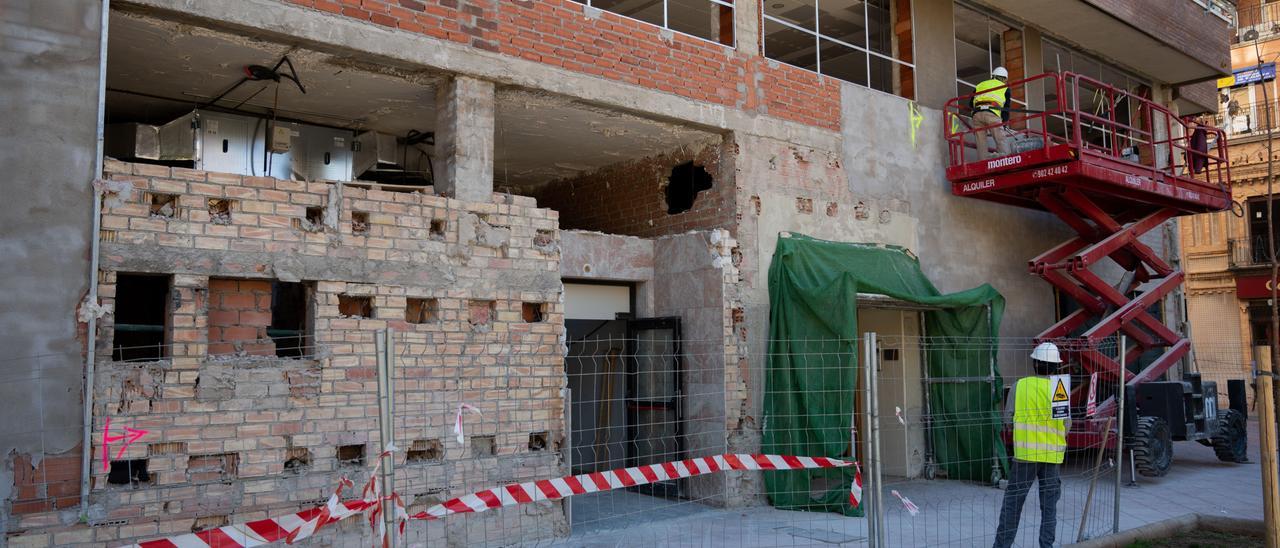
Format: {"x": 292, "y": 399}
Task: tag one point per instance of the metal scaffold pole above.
{"x": 869, "y": 487}
{"x": 384, "y": 342}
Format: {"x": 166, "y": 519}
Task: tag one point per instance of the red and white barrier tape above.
{"x": 294, "y": 527}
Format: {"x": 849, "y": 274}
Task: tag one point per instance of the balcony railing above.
{"x": 1247, "y": 252}
{"x": 1247, "y": 119}
{"x": 1264, "y": 18}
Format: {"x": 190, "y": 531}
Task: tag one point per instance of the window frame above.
{"x": 865, "y": 49}
{"x": 666, "y": 20}
{"x": 990, "y": 65}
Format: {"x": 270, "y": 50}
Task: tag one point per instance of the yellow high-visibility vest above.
{"x": 988, "y": 94}
{"x": 1037, "y": 437}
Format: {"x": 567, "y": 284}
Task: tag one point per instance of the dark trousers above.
{"x": 1022, "y": 475}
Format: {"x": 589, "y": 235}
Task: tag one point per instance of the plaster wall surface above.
{"x": 49, "y": 63}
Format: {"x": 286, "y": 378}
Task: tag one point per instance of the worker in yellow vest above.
{"x": 1039, "y": 445}
{"x": 988, "y": 105}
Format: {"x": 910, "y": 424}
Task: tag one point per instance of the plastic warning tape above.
{"x": 581, "y": 484}
{"x": 298, "y": 526}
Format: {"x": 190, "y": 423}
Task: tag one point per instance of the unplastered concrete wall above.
{"x": 50, "y": 65}
{"x": 241, "y": 434}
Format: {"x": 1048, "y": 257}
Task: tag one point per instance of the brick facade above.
{"x": 630, "y": 198}
{"x": 236, "y": 433}
{"x": 567, "y": 34}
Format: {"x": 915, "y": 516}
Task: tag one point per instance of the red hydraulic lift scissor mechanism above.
{"x": 1113, "y": 166}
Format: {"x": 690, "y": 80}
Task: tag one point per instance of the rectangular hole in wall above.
{"x": 164, "y": 206}
{"x": 359, "y": 222}
{"x": 289, "y": 318}
{"x": 483, "y": 446}
{"x": 437, "y": 229}
{"x": 212, "y": 468}
{"x": 543, "y": 239}
{"x": 532, "y": 312}
{"x": 354, "y": 306}
{"x": 425, "y": 451}
{"x": 421, "y": 310}
{"x": 219, "y": 211}
{"x": 128, "y": 472}
{"x": 313, "y": 221}
{"x": 480, "y": 314}
{"x": 297, "y": 460}
{"x": 351, "y": 455}
{"x": 141, "y": 314}
{"x": 538, "y": 441}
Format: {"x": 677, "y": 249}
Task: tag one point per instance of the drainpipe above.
{"x": 86, "y": 444}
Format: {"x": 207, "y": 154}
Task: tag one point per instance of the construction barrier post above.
{"x": 877, "y": 507}
{"x": 869, "y": 484}
{"x": 1121, "y": 350}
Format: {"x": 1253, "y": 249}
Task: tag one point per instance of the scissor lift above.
{"x": 1113, "y": 166}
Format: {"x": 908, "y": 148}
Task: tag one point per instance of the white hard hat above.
{"x": 999, "y": 72}
{"x": 1046, "y": 352}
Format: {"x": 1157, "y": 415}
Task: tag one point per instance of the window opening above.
{"x": 710, "y": 20}
{"x": 141, "y": 310}
{"x": 853, "y": 40}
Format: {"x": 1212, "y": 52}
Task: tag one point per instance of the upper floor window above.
{"x": 980, "y": 47}
{"x": 867, "y": 42}
{"x": 707, "y": 19}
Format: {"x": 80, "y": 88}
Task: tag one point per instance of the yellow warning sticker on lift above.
{"x": 1060, "y": 396}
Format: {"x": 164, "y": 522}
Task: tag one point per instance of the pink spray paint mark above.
{"x": 129, "y": 436}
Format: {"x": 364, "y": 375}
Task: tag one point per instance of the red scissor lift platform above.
{"x": 1113, "y": 166}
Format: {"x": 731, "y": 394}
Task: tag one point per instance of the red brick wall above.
{"x": 54, "y": 484}
{"x": 239, "y": 314}
{"x": 629, "y": 198}
{"x": 558, "y": 32}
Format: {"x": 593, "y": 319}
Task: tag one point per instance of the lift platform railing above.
{"x": 1095, "y": 118}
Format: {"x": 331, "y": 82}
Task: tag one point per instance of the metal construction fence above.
{"x": 680, "y": 423}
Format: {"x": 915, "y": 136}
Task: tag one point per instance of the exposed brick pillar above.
{"x": 464, "y": 139}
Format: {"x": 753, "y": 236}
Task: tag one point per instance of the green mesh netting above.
{"x": 812, "y": 364}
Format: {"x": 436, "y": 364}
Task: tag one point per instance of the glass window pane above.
{"x": 843, "y": 20}
{"x": 880, "y": 27}
{"x": 882, "y": 74}
{"x": 797, "y": 12}
{"x": 791, "y": 46}
{"x": 649, "y": 12}
{"x": 843, "y": 62}
{"x": 701, "y": 18}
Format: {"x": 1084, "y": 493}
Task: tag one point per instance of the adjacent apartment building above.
{"x": 1226, "y": 253}
{"x": 496, "y": 181}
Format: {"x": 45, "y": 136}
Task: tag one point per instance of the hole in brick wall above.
{"x": 483, "y": 446}
{"x": 421, "y": 310}
{"x": 164, "y": 205}
{"x": 532, "y": 312}
{"x": 297, "y": 460}
{"x": 538, "y": 441}
{"x": 686, "y": 181}
{"x": 312, "y": 222}
{"x": 212, "y": 468}
{"x": 219, "y": 211}
{"x": 425, "y": 451}
{"x": 544, "y": 238}
{"x": 437, "y": 229}
{"x": 354, "y": 306}
{"x": 141, "y": 314}
{"x": 351, "y": 455}
{"x": 359, "y": 222}
{"x": 128, "y": 472}
{"x": 209, "y": 522}
{"x": 289, "y": 328}
{"x": 480, "y": 314}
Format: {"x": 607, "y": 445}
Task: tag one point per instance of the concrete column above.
{"x": 1033, "y": 64}
{"x": 935, "y": 55}
{"x": 746, "y": 27}
{"x": 464, "y": 139}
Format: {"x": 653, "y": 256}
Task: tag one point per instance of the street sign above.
{"x": 1060, "y": 396}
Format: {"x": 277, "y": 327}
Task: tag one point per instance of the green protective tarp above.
{"x": 812, "y": 364}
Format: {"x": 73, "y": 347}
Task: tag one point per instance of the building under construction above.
{"x": 218, "y": 210}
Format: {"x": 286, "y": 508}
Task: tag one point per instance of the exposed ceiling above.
{"x": 158, "y": 70}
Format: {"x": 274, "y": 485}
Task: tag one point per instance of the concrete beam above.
{"x": 285, "y": 23}
{"x": 464, "y": 138}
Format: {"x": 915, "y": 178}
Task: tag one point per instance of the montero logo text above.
{"x": 1004, "y": 162}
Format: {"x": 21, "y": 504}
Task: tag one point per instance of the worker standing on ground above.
{"x": 988, "y": 106}
{"x": 1039, "y": 445}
